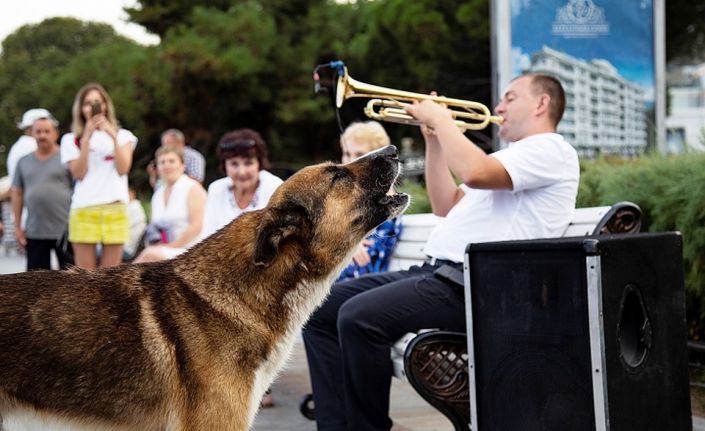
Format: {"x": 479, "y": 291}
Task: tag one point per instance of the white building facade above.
{"x": 605, "y": 113}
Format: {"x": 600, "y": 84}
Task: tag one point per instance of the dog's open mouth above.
{"x": 396, "y": 202}
{"x": 383, "y": 167}
{"x": 394, "y": 199}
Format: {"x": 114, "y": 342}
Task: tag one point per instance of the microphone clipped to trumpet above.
{"x": 387, "y": 104}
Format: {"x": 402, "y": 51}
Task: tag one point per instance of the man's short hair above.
{"x": 178, "y": 134}
{"x": 542, "y": 83}
{"x": 54, "y": 122}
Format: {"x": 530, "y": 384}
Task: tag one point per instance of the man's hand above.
{"x": 152, "y": 173}
{"x": 362, "y": 257}
{"x": 20, "y": 237}
{"x": 429, "y": 113}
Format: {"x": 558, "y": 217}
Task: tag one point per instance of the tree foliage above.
{"x": 669, "y": 192}
{"x": 685, "y": 30}
{"x": 158, "y": 16}
{"x": 225, "y": 64}
{"x": 33, "y": 57}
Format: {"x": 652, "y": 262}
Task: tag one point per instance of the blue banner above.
{"x": 605, "y": 54}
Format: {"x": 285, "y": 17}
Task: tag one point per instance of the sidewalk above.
{"x": 408, "y": 410}
{"x": 11, "y": 263}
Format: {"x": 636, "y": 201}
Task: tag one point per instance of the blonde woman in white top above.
{"x": 177, "y": 205}
{"x": 99, "y": 155}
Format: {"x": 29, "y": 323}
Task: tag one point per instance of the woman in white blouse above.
{"x": 247, "y": 185}
{"x": 177, "y": 208}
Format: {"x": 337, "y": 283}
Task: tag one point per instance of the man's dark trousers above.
{"x": 39, "y": 254}
{"x": 348, "y": 341}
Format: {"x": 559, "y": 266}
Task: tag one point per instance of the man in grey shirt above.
{"x": 42, "y": 185}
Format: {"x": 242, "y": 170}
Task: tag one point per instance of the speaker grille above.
{"x": 537, "y": 390}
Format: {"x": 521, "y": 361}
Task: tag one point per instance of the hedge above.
{"x": 670, "y": 192}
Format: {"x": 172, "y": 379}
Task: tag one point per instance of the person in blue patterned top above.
{"x": 375, "y": 251}
{"x": 378, "y": 248}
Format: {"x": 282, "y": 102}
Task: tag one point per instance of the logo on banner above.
{"x": 580, "y": 18}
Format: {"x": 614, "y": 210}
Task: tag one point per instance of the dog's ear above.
{"x": 276, "y": 226}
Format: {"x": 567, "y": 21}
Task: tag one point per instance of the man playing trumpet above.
{"x": 524, "y": 191}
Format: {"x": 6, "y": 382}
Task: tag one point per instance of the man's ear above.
{"x": 276, "y": 226}
{"x": 544, "y": 101}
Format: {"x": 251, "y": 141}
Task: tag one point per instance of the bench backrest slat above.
{"x": 590, "y": 215}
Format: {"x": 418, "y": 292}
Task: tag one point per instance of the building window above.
{"x": 675, "y": 139}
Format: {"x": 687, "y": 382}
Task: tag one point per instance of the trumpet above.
{"x": 387, "y": 104}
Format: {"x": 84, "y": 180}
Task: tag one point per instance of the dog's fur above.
{"x": 190, "y": 343}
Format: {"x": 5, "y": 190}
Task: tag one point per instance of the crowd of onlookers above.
{"x": 70, "y": 194}
{"x": 76, "y": 188}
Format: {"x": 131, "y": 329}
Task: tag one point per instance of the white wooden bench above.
{"x": 623, "y": 217}
{"x": 417, "y": 228}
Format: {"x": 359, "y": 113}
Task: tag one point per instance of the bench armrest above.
{"x": 622, "y": 217}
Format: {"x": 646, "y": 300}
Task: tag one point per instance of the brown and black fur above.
{"x": 189, "y": 343}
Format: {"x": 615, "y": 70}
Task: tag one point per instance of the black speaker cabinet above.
{"x": 577, "y": 334}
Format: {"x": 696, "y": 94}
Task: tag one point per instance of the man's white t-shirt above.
{"x": 102, "y": 184}
{"x": 545, "y": 172}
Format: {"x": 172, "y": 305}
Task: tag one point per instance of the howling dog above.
{"x": 190, "y": 343}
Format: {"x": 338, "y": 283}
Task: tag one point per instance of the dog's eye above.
{"x": 340, "y": 174}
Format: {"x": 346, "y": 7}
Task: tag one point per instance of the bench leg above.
{"x": 436, "y": 364}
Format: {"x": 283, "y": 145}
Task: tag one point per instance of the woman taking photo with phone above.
{"x": 99, "y": 155}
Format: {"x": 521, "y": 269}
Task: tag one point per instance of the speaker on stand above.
{"x": 581, "y": 333}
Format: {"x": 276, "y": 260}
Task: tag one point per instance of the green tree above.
{"x": 425, "y": 45}
{"x": 224, "y": 64}
{"x": 158, "y": 16}
{"x": 32, "y": 55}
{"x": 685, "y": 30}
{"x": 250, "y": 66}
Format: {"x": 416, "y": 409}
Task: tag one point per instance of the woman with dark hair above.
{"x": 247, "y": 184}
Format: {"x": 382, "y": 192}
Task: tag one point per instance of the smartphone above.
{"x": 96, "y": 108}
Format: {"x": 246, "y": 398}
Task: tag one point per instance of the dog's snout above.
{"x": 389, "y": 151}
